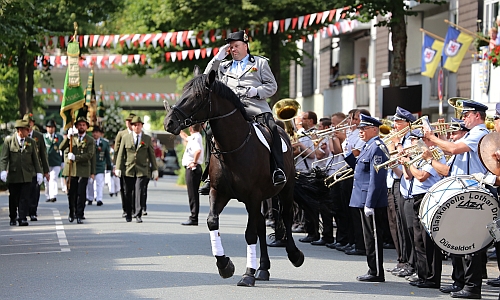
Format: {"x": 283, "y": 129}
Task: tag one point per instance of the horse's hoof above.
{"x": 262, "y": 275}
{"x": 296, "y": 260}
{"x": 228, "y": 270}
{"x": 247, "y": 280}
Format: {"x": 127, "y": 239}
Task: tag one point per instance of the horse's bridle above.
{"x": 188, "y": 120}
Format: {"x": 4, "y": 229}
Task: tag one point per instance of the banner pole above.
{"x": 466, "y": 30}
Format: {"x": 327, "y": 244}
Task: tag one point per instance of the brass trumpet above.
{"x": 436, "y": 153}
{"x": 399, "y": 134}
{"x": 442, "y": 128}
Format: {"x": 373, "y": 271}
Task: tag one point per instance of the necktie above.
{"x": 136, "y": 141}
{"x": 22, "y": 142}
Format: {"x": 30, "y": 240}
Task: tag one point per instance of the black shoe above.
{"x": 53, "y": 200}
{"x": 138, "y": 219}
{"x": 450, "y": 289}
{"x": 279, "y": 177}
{"x": 465, "y": 295}
{"x": 89, "y": 202}
{"x": 299, "y": 229}
{"x": 425, "y": 284}
{"x": 347, "y": 247}
{"x": 413, "y": 278}
{"x": 388, "y": 246}
{"x": 308, "y": 239}
{"x": 144, "y": 212}
{"x": 33, "y": 218}
{"x": 355, "y": 251}
{"x": 190, "y": 223}
{"x": 320, "y": 242}
{"x": 13, "y": 223}
{"x": 278, "y": 243}
{"x": 205, "y": 188}
{"x": 124, "y": 215}
{"x": 395, "y": 269}
{"x": 48, "y": 200}
{"x": 128, "y": 219}
{"x": 402, "y": 273}
{"x": 370, "y": 278}
{"x": 71, "y": 219}
{"x": 331, "y": 245}
{"x": 23, "y": 223}
{"x": 494, "y": 282}
{"x": 79, "y": 220}
{"x": 111, "y": 194}
{"x": 99, "y": 203}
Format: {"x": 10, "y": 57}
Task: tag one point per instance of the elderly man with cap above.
{"x": 52, "y": 142}
{"x": 118, "y": 141}
{"x": 403, "y": 200}
{"x": 102, "y": 163}
{"x": 467, "y": 281}
{"x": 79, "y": 167}
{"x": 19, "y": 163}
{"x": 428, "y": 258}
{"x": 136, "y": 162}
{"x": 369, "y": 194}
{"x": 42, "y": 155}
{"x": 250, "y": 78}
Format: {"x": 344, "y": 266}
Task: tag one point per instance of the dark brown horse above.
{"x": 240, "y": 168}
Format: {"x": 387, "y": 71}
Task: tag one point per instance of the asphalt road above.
{"x": 107, "y": 258}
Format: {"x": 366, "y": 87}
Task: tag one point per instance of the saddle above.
{"x": 265, "y": 137}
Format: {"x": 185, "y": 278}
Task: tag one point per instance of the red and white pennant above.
{"x": 114, "y": 96}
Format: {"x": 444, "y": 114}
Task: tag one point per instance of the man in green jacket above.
{"x": 79, "y": 166}
{"x": 19, "y": 163}
{"x": 136, "y": 162}
{"x": 53, "y": 141}
{"x": 118, "y": 140}
{"x": 102, "y": 163}
{"x": 44, "y": 163}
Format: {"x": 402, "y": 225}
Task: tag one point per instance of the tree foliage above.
{"x": 146, "y": 16}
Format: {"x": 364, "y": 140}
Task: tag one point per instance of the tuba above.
{"x": 385, "y": 128}
{"x": 285, "y": 110}
{"x": 456, "y": 103}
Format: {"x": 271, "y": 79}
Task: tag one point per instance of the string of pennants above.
{"x": 191, "y": 38}
{"x": 114, "y": 96}
{"x": 112, "y": 60}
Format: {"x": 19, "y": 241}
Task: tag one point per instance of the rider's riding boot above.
{"x": 205, "y": 188}
{"x": 279, "y": 177}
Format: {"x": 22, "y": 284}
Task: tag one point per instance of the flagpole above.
{"x": 437, "y": 37}
{"x": 466, "y": 30}
{"x": 68, "y": 183}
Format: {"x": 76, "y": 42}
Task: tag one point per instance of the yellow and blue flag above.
{"x": 431, "y": 55}
{"x": 456, "y": 45}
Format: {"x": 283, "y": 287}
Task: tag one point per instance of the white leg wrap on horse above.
{"x": 252, "y": 256}
{"x": 217, "y": 249}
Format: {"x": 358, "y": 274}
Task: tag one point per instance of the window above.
{"x": 490, "y": 14}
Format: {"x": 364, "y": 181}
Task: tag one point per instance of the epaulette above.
{"x": 383, "y": 147}
{"x": 262, "y": 57}
{"x": 105, "y": 139}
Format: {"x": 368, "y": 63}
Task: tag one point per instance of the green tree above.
{"x": 113, "y": 120}
{"x": 146, "y": 16}
{"x": 393, "y": 13}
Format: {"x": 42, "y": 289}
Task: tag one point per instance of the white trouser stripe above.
{"x": 376, "y": 243}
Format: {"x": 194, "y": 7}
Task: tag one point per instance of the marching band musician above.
{"x": 352, "y": 143}
{"x": 406, "y": 265}
{"x": 369, "y": 195}
{"x": 427, "y": 255}
{"x": 467, "y": 281}
{"x": 304, "y": 149}
{"x": 251, "y": 78}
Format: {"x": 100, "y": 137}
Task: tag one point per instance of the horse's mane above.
{"x": 199, "y": 84}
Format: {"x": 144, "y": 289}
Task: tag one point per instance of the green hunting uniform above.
{"x": 22, "y": 164}
{"x": 44, "y": 163}
{"x": 136, "y": 164}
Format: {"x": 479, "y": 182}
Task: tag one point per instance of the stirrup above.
{"x": 278, "y": 170}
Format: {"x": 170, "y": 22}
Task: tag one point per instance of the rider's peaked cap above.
{"x": 237, "y": 36}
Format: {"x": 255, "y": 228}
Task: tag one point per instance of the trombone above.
{"x": 344, "y": 172}
{"x": 393, "y": 162}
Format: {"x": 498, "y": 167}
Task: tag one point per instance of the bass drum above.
{"x": 455, "y": 213}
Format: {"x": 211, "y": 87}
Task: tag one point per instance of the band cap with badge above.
{"x": 471, "y": 105}
{"x": 368, "y": 121}
{"x": 404, "y": 115}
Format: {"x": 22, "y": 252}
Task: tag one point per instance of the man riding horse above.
{"x": 250, "y": 78}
